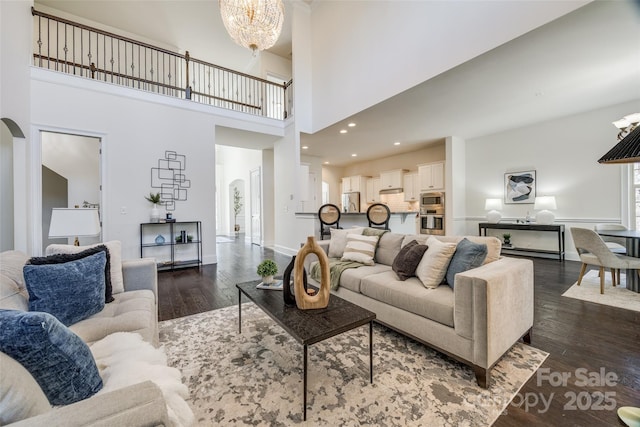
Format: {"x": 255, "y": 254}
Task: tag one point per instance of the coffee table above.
{"x": 308, "y": 326}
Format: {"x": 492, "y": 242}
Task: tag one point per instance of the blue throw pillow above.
{"x": 468, "y": 255}
{"x": 71, "y": 291}
{"x": 59, "y": 361}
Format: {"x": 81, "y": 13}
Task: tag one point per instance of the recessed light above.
{"x": 304, "y": 147}
{"x": 326, "y": 163}
{"x": 354, "y": 155}
{"x": 343, "y": 131}
{"x": 396, "y": 143}
{"x": 351, "y": 125}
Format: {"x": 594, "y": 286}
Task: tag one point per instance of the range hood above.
{"x": 392, "y": 191}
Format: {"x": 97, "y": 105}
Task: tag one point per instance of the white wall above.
{"x": 564, "y": 153}
{"x": 268, "y": 202}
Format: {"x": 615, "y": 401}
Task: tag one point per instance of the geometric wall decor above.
{"x": 169, "y": 177}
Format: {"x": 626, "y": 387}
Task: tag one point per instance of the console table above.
{"x": 555, "y": 228}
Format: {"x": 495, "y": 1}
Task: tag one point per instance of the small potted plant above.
{"x": 237, "y": 208}
{"x": 267, "y": 269}
{"x": 507, "y": 239}
{"x": 155, "y": 212}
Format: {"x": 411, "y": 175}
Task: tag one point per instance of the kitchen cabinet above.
{"x": 391, "y": 179}
{"x": 411, "y": 187}
{"x": 431, "y": 176}
{"x": 354, "y": 183}
{"x": 373, "y": 190}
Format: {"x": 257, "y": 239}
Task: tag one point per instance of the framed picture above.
{"x": 520, "y": 187}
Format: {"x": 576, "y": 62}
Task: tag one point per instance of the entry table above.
{"x": 632, "y": 239}
{"x": 556, "y": 228}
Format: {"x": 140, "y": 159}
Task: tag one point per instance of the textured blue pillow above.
{"x": 71, "y": 291}
{"x": 58, "y": 359}
{"x": 468, "y": 255}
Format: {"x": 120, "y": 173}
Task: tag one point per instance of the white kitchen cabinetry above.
{"x": 431, "y": 176}
{"x": 391, "y": 179}
{"x": 373, "y": 190}
{"x": 411, "y": 187}
{"x": 354, "y": 183}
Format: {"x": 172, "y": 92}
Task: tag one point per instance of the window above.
{"x": 636, "y": 192}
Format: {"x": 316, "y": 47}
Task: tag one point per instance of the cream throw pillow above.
{"x": 115, "y": 257}
{"x": 433, "y": 266}
{"x": 339, "y": 240}
{"x": 360, "y": 248}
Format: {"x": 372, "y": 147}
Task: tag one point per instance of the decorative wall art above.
{"x": 169, "y": 177}
{"x": 520, "y": 187}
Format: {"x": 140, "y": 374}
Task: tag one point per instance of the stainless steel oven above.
{"x": 432, "y": 213}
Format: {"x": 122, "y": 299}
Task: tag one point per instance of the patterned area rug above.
{"x": 255, "y": 378}
{"x": 589, "y": 290}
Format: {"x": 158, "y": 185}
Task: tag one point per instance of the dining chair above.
{"x": 594, "y": 251}
{"x": 378, "y": 216}
{"x": 616, "y": 244}
{"x": 329, "y": 216}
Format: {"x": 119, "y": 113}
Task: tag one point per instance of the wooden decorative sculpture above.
{"x": 321, "y": 299}
{"x": 288, "y": 294}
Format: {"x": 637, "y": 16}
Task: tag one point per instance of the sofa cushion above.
{"x": 339, "y": 240}
{"x": 11, "y": 263}
{"x": 58, "y": 360}
{"x": 433, "y": 266}
{"x": 62, "y": 258}
{"x": 115, "y": 258}
{"x": 71, "y": 291}
{"x": 388, "y": 248}
{"x": 410, "y": 295}
{"x": 408, "y": 259}
{"x": 494, "y": 245}
{"x": 352, "y": 277}
{"x": 20, "y": 395}
{"x": 360, "y": 248}
{"x": 468, "y": 255}
{"x": 131, "y": 311}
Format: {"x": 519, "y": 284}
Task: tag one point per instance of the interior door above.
{"x": 255, "y": 187}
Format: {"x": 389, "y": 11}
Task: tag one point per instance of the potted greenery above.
{"x": 267, "y": 269}
{"x": 155, "y": 212}
{"x": 237, "y": 207}
{"x": 507, "y": 238}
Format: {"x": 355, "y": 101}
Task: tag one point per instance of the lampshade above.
{"x": 544, "y": 203}
{"x": 254, "y": 24}
{"x": 67, "y": 222}
{"x": 492, "y": 205}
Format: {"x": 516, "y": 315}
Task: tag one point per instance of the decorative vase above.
{"x": 287, "y": 294}
{"x": 155, "y": 213}
{"x": 320, "y": 299}
{"x": 267, "y": 280}
{"x": 159, "y": 239}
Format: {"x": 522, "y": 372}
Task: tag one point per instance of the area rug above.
{"x": 255, "y": 378}
{"x": 589, "y": 290}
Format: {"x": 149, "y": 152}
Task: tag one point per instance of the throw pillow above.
{"x": 433, "y": 266}
{"x": 360, "y": 248}
{"x": 339, "y": 240}
{"x": 59, "y": 361}
{"x": 62, "y": 258}
{"x": 71, "y": 291}
{"x": 115, "y": 258}
{"x": 468, "y": 255}
{"x": 407, "y": 260}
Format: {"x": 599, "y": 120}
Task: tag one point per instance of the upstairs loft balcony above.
{"x": 73, "y": 48}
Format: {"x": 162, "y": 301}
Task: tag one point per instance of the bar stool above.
{"x": 329, "y": 216}
{"x": 378, "y": 216}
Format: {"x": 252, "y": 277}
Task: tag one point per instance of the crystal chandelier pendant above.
{"x": 254, "y": 24}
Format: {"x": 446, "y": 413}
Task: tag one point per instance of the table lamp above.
{"x": 68, "y": 222}
{"x": 493, "y": 206}
{"x": 545, "y": 204}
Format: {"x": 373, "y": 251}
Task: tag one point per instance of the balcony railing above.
{"x": 77, "y": 49}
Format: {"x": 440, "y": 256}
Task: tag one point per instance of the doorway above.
{"x": 70, "y": 178}
{"x": 255, "y": 188}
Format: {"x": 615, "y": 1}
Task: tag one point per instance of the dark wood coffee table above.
{"x": 308, "y": 326}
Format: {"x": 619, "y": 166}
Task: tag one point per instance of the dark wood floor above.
{"x": 578, "y": 335}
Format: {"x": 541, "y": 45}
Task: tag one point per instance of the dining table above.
{"x": 632, "y": 240}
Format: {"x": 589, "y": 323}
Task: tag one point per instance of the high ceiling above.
{"x": 587, "y": 59}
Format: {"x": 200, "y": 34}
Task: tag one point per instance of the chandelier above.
{"x": 628, "y": 149}
{"x": 254, "y": 24}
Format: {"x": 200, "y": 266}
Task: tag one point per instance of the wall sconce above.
{"x": 545, "y": 204}
{"x": 493, "y": 206}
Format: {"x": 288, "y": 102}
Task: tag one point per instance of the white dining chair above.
{"x": 616, "y": 244}
{"x": 594, "y": 251}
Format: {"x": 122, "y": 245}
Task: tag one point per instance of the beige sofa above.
{"x": 476, "y": 322}
{"x": 22, "y": 402}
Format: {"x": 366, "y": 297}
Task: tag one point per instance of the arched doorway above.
{"x": 10, "y": 134}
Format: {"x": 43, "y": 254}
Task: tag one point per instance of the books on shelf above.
{"x": 276, "y": 285}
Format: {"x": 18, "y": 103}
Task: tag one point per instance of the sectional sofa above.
{"x": 475, "y": 320}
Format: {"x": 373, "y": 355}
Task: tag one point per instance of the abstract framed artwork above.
{"x": 520, "y": 187}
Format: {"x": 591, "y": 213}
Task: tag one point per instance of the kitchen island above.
{"x": 406, "y": 222}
